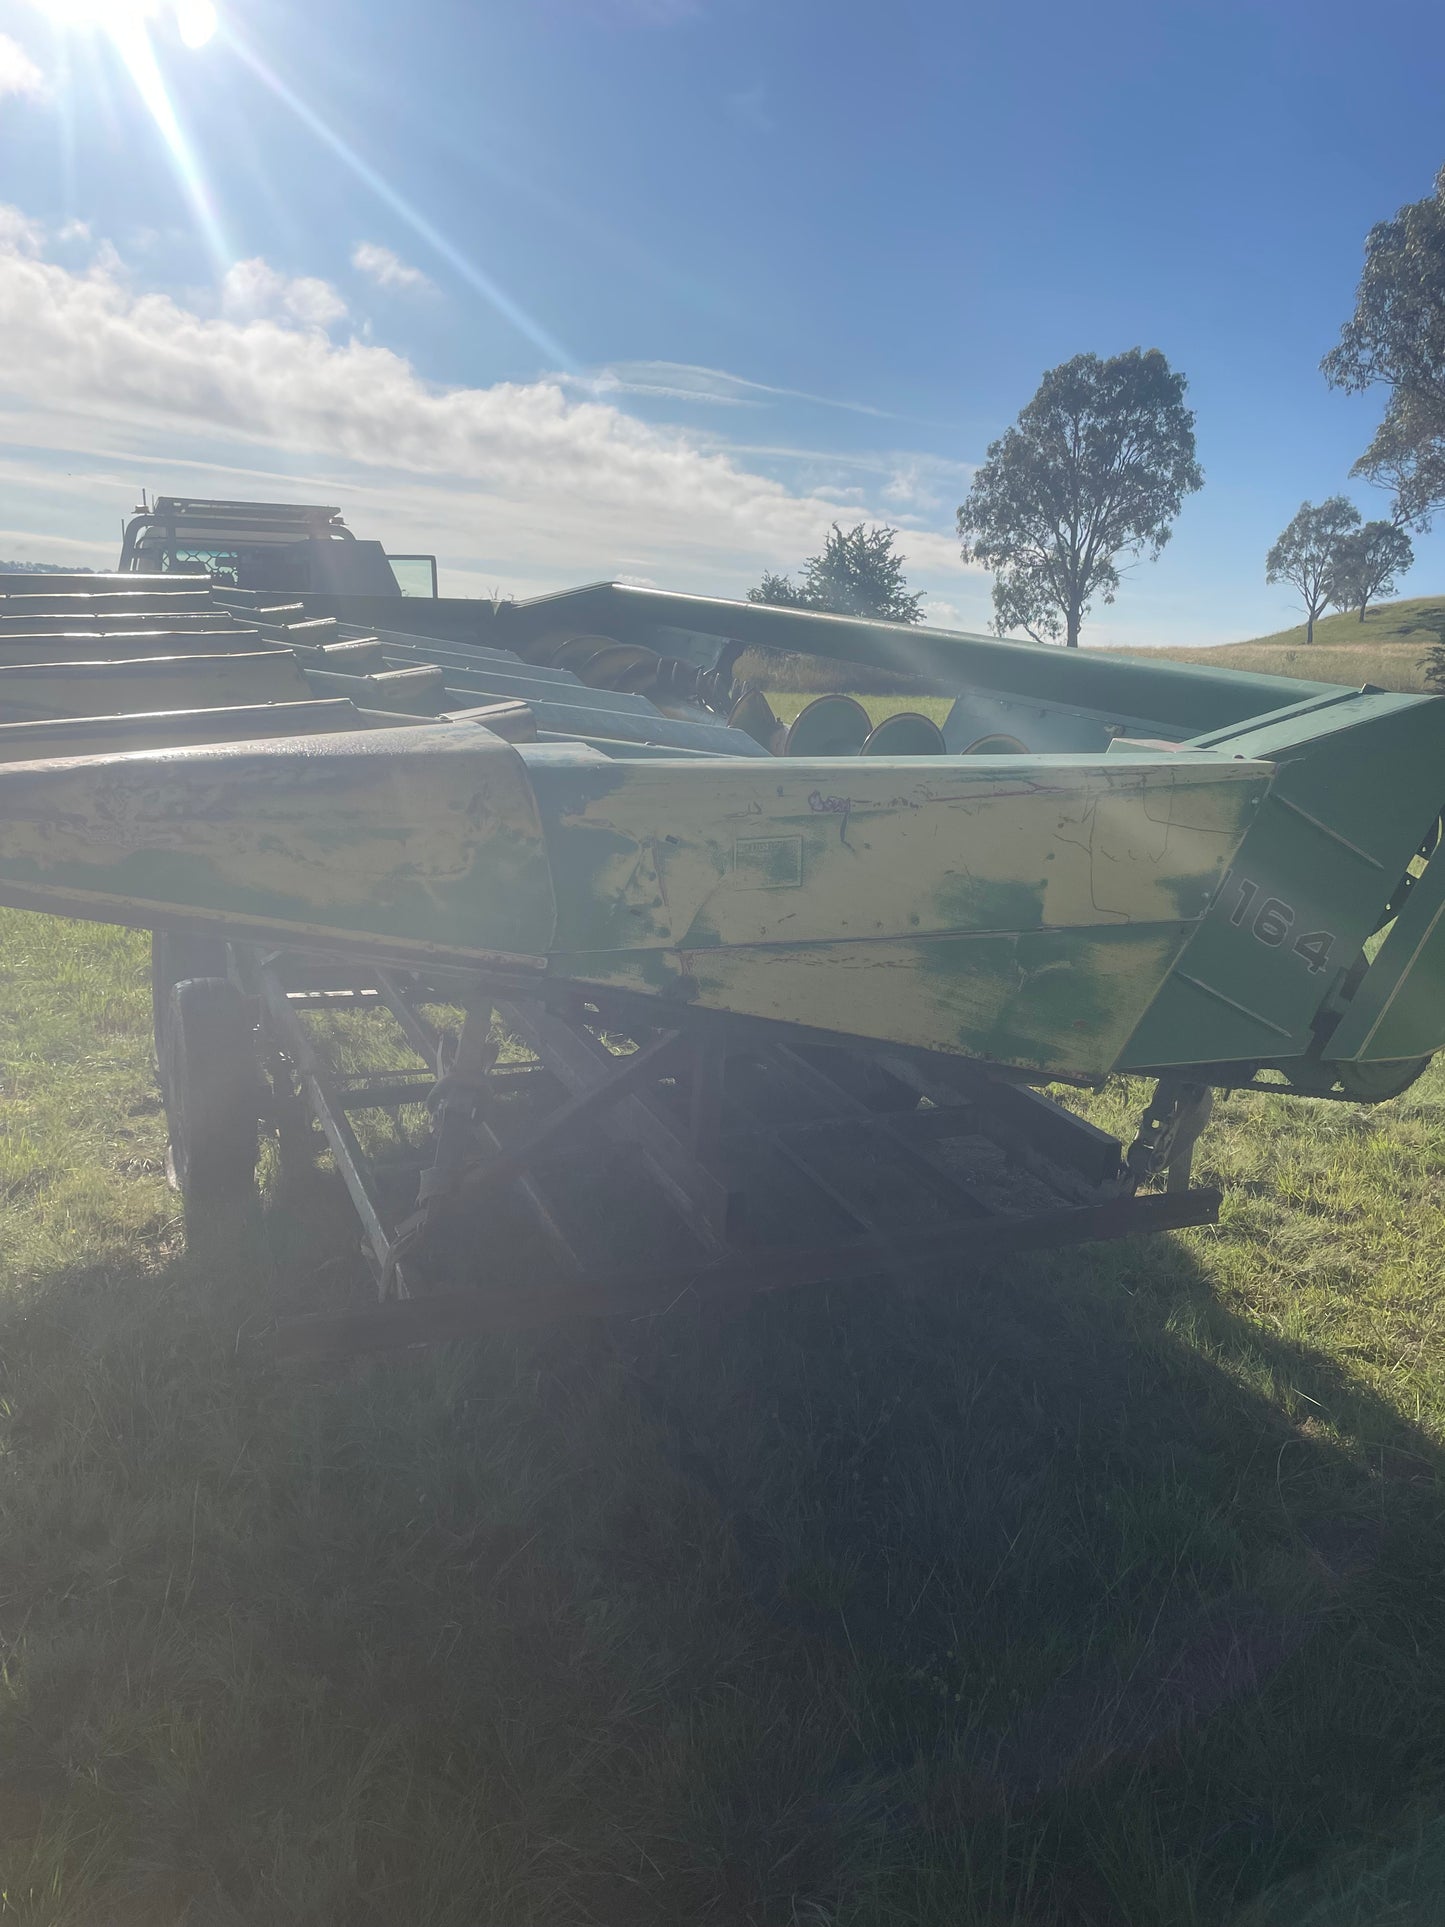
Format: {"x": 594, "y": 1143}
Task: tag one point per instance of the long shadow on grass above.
{"x": 1127, "y": 1638}
{"x": 1029, "y": 1600}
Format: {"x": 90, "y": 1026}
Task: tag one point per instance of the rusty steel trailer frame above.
{"x": 677, "y": 1100}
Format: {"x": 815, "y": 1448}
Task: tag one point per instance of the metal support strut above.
{"x": 780, "y": 1161}
{"x": 1168, "y": 1132}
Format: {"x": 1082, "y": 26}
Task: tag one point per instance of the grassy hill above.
{"x": 1386, "y": 648}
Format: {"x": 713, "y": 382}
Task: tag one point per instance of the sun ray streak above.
{"x": 134, "y": 45}
{"x": 555, "y": 354}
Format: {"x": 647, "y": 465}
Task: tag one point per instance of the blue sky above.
{"x": 659, "y": 288}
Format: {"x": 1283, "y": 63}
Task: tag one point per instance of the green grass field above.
{"x": 1104, "y": 1591}
{"x": 1415, "y": 621}
{"x": 1385, "y": 649}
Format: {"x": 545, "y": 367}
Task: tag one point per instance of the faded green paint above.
{"x": 1358, "y": 782}
{"x": 1050, "y": 1000}
{"x": 1399, "y": 1010}
{"x": 39, "y": 651}
{"x": 60, "y": 736}
{"x": 991, "y": 903}
{"x": 1128, "y": 905}
{"x": 426, "y": 840}
{"x": 768, "y": 862}
{"x": 902, "y": 878}
{"x": 161, "y": 682}
{"x": 1022, "y": 915}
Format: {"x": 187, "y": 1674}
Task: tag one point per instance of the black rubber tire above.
{"x": 174, "y": 958}
{"x": 212, "y": 1090}
{"x": 1373, "y": 1083}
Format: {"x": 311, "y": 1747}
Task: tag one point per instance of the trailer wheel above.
{"x": 1367, "y": 1083}
{"x": 212, "y": 1093}
{"x": 174, "y": 958}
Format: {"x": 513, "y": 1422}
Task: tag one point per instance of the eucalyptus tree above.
{"x": 1395, "y": 339}
{"x": 1090, "y": 477}
{"x": 1307, "y": 553}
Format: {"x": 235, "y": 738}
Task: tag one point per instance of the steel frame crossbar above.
{"x": 682, "y": 1103}
{"x": 959, "y": 1248}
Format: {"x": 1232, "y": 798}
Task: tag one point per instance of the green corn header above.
{"x": 1092, "y": 865}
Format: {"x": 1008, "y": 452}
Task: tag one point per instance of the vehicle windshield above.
{"x": 231, "y": 565}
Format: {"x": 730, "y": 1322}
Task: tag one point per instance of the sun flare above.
{"x": 195, "y": 21}
{"x": 136, "y": 30}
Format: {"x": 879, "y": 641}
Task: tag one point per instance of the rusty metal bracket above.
{"x": 1168, "y": 1132}
{"x": 328, "y": 1106}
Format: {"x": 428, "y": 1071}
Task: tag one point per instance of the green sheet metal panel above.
{"x": 1043, "y": 1000}
{"x": 1185, "y": 697}
{"x": 1357, "y": 783}
{"x": 422, "y": 842}
{"x": 161, "y": 682}
{"x": 1196, "y": 699}
{"x": 1025, "y": 913}
{"x": 1399, "y": 1009}
{"x": 30, "y": 651}
{"x": 60, "y": 736}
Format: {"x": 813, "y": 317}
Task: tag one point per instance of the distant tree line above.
{"x": 1095, "y": 470}
{"x": 1396, "y": 339}
{"x": 1337, "y": 560}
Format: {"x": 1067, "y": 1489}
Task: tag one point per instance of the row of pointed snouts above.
{"x": 830, "y": 725}
{"x": 605, "y": 662}
{"x": 111, "y": 652}
{"x": 118, "y": 624}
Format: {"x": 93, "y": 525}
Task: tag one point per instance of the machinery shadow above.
{"x": 1135, "y": 1595}
{"x": 1054, "y": 1595}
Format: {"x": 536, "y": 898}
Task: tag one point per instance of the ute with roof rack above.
{"x": 301, "y": 547}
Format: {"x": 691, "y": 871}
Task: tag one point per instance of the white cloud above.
{"x": 388, "y": 270}
{"x": 253, "y": 290}
{"x": 521, "y": 482}
{"x": 18, "y": 233}
{"x": 926, "y": 486}
{"x": 683, "y": 381}
{"x": 18, "y": 72}
{"x": 940, "y": 613}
